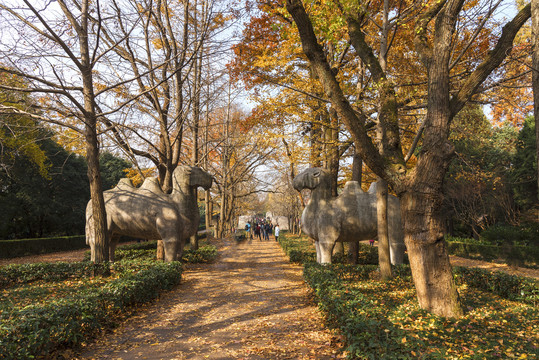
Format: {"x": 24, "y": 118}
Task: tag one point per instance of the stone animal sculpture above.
{"x": 349, "y": 217}
{"x": 149, "y": 213}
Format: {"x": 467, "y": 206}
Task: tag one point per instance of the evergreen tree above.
{"x": 112, "y": 169}
{"x": 524, "y": 172}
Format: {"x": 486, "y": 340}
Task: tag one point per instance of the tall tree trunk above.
{"x": 535, "y": 78}
{"x": 100, "y": 252}
{"x": 384, "y": 257}
{"x": 332, "y": 151}
{"x": 421, "y": 203}
{"x": 197, "y": 73}
{"x": 222, "y": 215}
{"x": 357, "y": 174}
{"x": 433, "y": 277}
{"x": 315, "y": 142}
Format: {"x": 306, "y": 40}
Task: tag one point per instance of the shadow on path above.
{"x": 250, "y": 304}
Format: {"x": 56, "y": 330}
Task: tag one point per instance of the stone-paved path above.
{"x": 250, "y": 304}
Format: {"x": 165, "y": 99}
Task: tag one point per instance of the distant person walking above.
{"x": 267, "y": 231}
{"x": 277, "y": 230}
{"x": 257, "y": 231}
{"x": 263, "y": 230}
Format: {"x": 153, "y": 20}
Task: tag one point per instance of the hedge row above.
{"x": 147, "y": 250}
{"x": 67, "y": 305}
{"x": 510, "y": 254}
{"x": 39, "y": 329}
{"x": 511, "y": 287}
{"x": 301, "y": 250}
{"x": 507, "y": 286}
{"x": 297, "y": 249}
{"x": 382, "y": 320}
{"x": 23, "y": 247}
{"x": 26, "y": 273}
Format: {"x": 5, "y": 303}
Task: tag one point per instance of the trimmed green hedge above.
{"x": 301, "y": 250}
{"x": 511, "y": 254}
{"x": 525, "y": 234}
{"x": 507, "y": 286}
{"x": 511, "y": 287}
{"x": 26, "y": 273}
{"x": 24, "y": 247}
{"x": 297, "y": 249}
{"x": 147, "y": 250}
{"x": 47, "y": 307}
{"x": 38, "y": 329}
{"x": 382, "y": 320}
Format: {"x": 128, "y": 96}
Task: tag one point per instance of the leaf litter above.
{"x": 250, "y": 304}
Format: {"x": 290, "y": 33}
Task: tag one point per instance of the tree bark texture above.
{"x": 357, "y": 174}
{"x": 384, "y": 257}
{"x": 160, "y": 250}
{"x": 535, "y": 77}
{"x": 100, "y": 251}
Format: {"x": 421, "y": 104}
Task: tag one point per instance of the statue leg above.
{"x": 114, "y": 239}
{"x": 317, "y": 246}
{"x": 181, "y": 245}
{"x": 171, "y": 249}
{"x": 396, "y": 239}
{"x": 326, "y": 249}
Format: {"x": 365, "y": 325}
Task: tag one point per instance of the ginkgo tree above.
{"x": 437, "y": 42}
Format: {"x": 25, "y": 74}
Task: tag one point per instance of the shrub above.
{"x": 206, "y": 253}
{"x": 301, "y": 250}
{"x": 39, "y": 319}
{"x": 510, "y": 254}
{"x": 23, "y": 247}
{"x": 25, "y": 273}
{"x": 147, "y": 250}
{"x": 526, "y": 235}
{"x": 507, "y": 286}
{"x": 36, "y": 330}
{"x": 382, "y": 320}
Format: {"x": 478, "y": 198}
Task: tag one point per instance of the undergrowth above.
{"x": 382, "y": 319}
{"x": 48, "y": 307}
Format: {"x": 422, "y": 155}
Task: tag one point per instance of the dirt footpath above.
{"x": 250, "y": 304}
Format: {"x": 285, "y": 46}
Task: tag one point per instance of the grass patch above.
{"x": 382, "y": 320}
{"x": 45, "y": 308}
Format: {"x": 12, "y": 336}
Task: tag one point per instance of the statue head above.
{"x": 311, "y": 179}
{"x": 192, "y": 176}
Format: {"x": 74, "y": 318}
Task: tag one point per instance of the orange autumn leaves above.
{"x": 269, "y": 58}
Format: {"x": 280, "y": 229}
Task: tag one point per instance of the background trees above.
{"x": 37, "y": 203}
{"x": 57, "y": 50}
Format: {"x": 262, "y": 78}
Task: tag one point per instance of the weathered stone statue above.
{"x": 149, "y": 213}
{"x": 349, "y": 217}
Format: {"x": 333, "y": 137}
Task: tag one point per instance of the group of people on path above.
{"x": 262, "y": 229}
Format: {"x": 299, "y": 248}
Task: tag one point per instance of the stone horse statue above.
{"x": 349, "y": 217}
{"x": 147, "y": 212}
